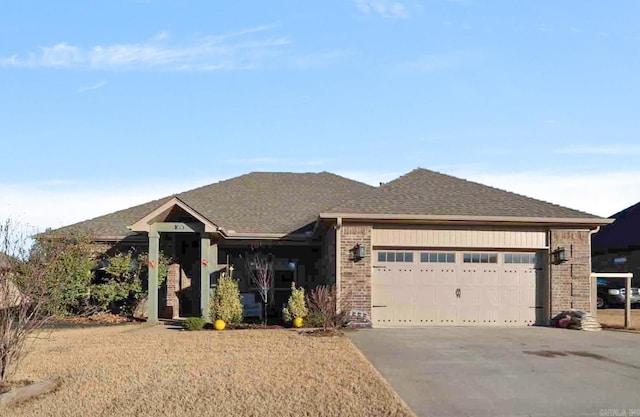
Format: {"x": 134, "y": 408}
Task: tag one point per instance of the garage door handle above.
{"x": 458, "y": 293}
{"x": 377, "y": 306}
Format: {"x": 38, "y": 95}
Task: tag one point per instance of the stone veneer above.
{"x": 571, "y": 281}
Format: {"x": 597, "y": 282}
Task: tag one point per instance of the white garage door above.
{"x": 455, "y": 288}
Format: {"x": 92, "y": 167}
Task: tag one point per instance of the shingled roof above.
{"x": 282, "y": 203}
{"x": 425, "y": 192}
{"x": 259, "y": 202}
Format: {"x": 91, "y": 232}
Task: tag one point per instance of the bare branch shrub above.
{"x": 260, "y": 269}
{"x": 333, "y": 309}
{"x": 23, "y": 297}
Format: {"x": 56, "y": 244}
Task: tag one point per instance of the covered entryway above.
{"x": 456, "y": 288}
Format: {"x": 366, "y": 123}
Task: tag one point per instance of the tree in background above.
{"x": 24, "y": 295}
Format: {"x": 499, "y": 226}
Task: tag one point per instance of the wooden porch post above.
{"x": 204, "y": 275}
{"x": 154, "y": 250}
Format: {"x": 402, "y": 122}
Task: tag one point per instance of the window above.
{"x": 438, "y": 257}
{"x": 519, "y": 258}
{"x": 480, "y": 258}
{"x": 395, "y": 256}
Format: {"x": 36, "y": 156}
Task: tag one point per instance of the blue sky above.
{"x": 104, "y": 105}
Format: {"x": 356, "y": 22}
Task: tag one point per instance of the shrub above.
{"x": 194, "y": 323}
{"x": 323, "y": 303}
{"x": 313, "y": 320}
{"x": 122, "y": 285}
{"x": 71, "y": 263}
{"x": 296, "y": 306}
{"x": 225, "y": 301}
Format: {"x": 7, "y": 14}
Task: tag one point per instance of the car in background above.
{"x": 611, "y": 292}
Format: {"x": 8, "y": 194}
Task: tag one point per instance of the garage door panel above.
{"x": 423, "y": 292}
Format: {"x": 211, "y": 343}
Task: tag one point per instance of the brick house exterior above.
{"x": 437, "y": 249}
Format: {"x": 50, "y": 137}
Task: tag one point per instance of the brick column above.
{"x": 171, "y": 302}
{"x": 355, "y": 276}
{"x": 571, "y": 281}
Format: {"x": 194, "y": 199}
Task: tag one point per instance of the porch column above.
{"x": 204, "y": 275}
{"x": 154, "y": 249}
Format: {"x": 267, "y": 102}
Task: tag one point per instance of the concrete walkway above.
{"x": 457, "y": 371}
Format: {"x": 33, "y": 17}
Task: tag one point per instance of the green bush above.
{"x": 72, "y": 261}
{"x": 194, "y": 323}
{"x": 296, "y": 306}
{"x": 225, "y": 301}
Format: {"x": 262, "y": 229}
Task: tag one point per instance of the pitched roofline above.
{"x": 143, "y": 224}
{"x": 430, "y": 218}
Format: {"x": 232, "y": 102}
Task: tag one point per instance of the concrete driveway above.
{"x": 458, "y": 371}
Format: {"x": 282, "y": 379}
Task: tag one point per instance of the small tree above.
{"x": 225, "y": 301}
{"x": 24, "y": 296}
{"x": 324, "y": 302}
{"x": 296, "y": 306}
{"x": 71, "y": 262}
{"x": 260, "y": 269}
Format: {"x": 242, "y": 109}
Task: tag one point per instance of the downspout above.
{"x": 549, "y": 280}
{"x": 338, "y": 257}
{"x": 593, "y": 289}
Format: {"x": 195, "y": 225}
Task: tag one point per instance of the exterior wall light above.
{"x": 559, "y": 255}
{"x": 358, "y": 252}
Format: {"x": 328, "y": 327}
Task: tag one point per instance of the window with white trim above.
{"x": 438, "y": 257}
{"x": 395, "y": 256}
{"x": 480, "y": 258}
{"x": 519, "y": 258}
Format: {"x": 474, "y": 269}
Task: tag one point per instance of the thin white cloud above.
{"x": 92, "y": 87}
{"x": 230, "y": 51}
{"x": 383, "y": 8}
{"x": 600, "y": 150}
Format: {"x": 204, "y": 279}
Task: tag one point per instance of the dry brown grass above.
{"x": 151, "y": 371}
{"x": 614, "y": 318}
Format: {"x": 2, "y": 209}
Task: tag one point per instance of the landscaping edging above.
{"x": 27, "y": 392}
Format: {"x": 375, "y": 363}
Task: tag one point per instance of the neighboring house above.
{"x": 616, "y": 247}
{"x": 10, "y": 295}
{"x": 424, "y": 249}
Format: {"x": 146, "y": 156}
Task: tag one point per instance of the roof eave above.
{"x": 461, "y": 219}
{"x": 231, "y": 235}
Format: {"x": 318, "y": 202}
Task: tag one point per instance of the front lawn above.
{"x": 614, "y": 318}
{"x": 136, "y": 370}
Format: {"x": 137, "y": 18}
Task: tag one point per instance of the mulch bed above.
{"x": 324, "y": 333}
{"x": 99, "y": 319}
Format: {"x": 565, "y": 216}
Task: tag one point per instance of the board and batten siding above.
{"x": 450, "y": 238}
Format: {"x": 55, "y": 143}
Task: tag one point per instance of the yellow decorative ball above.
{"x": 297, "y": 322}
{"x": 219, "y": 325}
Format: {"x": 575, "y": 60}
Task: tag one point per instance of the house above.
{"x": 10, "y": 295}
{"x": 616, "y": 247}
{"x": 424, "y": 249}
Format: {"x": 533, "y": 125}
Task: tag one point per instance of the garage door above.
{"x": 455, "y": 288}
